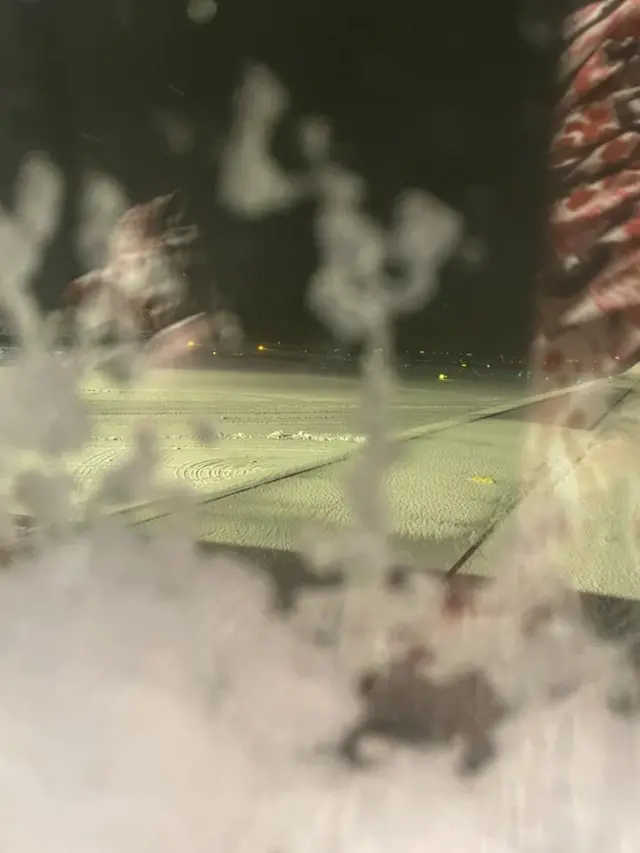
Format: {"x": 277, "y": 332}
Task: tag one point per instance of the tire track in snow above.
{"x": 157, "y": 509}
{"x": 206, "y": 471}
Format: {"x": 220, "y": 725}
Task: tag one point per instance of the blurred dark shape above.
{"x": 143, "y": 275}
{"x": 403, "y": 705}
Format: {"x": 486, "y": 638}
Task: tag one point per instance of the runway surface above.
{"x": 283, "y": 453}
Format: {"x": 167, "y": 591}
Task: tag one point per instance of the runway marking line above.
{"x": 160, "y": 504}
{"x": 532, "y": 485}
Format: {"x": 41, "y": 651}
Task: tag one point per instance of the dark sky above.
{"x": 449, "y": 96}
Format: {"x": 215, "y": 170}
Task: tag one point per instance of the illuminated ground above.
{"x": 605, "y": 558}
{"x": 268, "y": 422}
{"x": 445, "y": 488}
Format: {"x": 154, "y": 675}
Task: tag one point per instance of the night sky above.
{"x": 454, "y": 97}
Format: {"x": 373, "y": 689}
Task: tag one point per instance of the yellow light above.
{"x": 261, "y": 348}
{"x": 191, "y": 344}
{"x": 214, "y": 353}
{"x": 464, "y": 365}
{"x": 443, "y": 376}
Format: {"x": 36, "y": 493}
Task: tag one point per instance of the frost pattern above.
{"x": 154, "y": 700}
{"x": 23, "y": 236}
{"x": 101, "y": 204}
{"x": 352, "y": 292}
{"x": 251, "y": 183}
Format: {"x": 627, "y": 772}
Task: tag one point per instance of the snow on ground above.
{"x": 267, "y": 422}
{"x": 605, "y": 557}
{"x": 444, "y": 490}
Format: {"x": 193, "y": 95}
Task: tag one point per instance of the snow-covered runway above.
{"x": 445, "y": 488}
{"x": 265, "y": 422}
